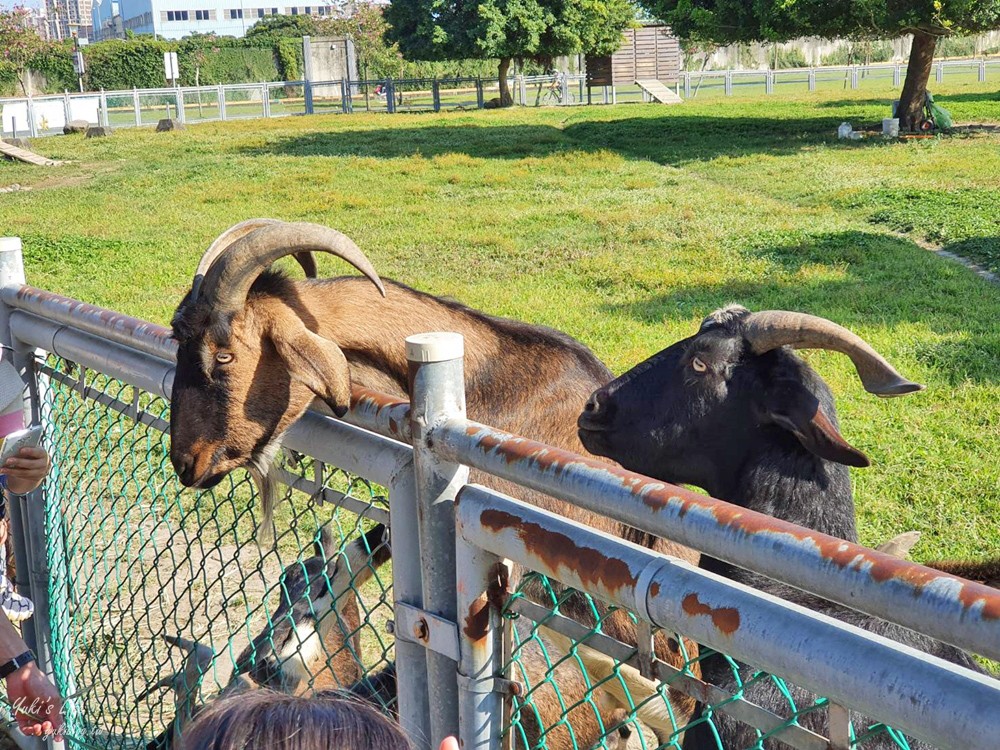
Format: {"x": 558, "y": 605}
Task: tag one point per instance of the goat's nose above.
{"x": 184, "y": 466}
{"x": 598, "y": 410}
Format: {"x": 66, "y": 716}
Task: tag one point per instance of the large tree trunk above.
{"x": 918, "y": 72}
{"x": 506, "y": 100}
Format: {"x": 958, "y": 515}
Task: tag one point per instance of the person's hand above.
{"x": 26, "y": 470}
{"x": 38, "y": 707}
{"x": 449, "y": 743}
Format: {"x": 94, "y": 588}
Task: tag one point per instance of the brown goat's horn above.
{"x": 775, "y": 328}
{"x": 234, "y": 233}
{"x": 232, "y": 274}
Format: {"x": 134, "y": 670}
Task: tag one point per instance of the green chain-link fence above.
{"x": 135, "y": 561}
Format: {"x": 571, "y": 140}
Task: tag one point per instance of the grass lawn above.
{"x": 620, "y": 225}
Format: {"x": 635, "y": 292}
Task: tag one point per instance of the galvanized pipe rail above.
{"x": 929, "y": 698}
{"x": 951, "y": 609}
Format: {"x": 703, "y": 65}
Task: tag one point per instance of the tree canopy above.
{"x": 19, "y": 43}
{"x": 727, "y": 21}
{"x": 507, "y": 29}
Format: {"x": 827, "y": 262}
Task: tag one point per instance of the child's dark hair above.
{"x": 275, "y": 721}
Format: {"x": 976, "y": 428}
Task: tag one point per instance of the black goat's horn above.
{"x": 775, "y": 328}
{"x": 232, "y": 274}
{"x": 235, "y": 232}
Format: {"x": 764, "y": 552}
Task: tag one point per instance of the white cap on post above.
{"x": 439, "y": 346}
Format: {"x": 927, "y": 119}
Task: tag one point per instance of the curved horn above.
{"x": 236, "y": 232}
{"x": 775, "y": 328}
{"x": 230, "y": 277}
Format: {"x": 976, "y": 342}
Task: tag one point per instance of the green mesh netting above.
{"x": 135, "y": 558}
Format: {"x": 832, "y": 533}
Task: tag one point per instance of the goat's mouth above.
{"x": 596, "y": 440}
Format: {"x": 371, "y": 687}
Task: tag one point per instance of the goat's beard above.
{"x": 259, "y": 469}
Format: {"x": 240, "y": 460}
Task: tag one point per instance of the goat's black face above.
{"x": 694, "y": 412}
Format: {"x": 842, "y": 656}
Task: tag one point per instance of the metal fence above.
{"x": 117, "y": 558}
{"x": 46, "y": 115}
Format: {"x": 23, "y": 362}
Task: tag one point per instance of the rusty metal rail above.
{"x": 937, "y": 701}
{"x": 963, "y": 613}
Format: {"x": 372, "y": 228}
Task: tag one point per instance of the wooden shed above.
{"x": 648, "y": 53}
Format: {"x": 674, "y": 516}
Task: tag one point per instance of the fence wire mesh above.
{"x": 134, "y": 560}
{"x": 579, "y": 689}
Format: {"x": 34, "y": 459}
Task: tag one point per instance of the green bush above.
{"x": 288, "y": 54}
{"x": 55, "y": 63}
{"x": 126, "y": 63}
{"x": 956, "y": 46}
{"x": 227, "y": 65}
{"x": 860, "y": 53}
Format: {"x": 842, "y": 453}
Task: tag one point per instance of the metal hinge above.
{"x": 415, "y": 625}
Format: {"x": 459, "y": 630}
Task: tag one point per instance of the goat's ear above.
{"x": 325, "y": 546}
{"x": 314, "y": 361}
{"x": 791, "y": 406}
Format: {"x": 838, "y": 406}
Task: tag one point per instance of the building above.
{"x": 173, "y": 19}
{"x": 648, "y": 53}
{"x": 67, "y": 18}
{"x": 38, "y": 20}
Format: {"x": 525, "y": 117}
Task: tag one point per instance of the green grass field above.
{"x": 620, "y": 225}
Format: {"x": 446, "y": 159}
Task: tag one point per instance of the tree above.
{"x": 271, "y": 28}
{"x": 507, "y": 29}
{"x": 728, "y": 21}
{"x": 19, "y": 43}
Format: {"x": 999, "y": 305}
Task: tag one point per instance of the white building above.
{"x": 173, "y": 19}
{"x": 68, "y": 17}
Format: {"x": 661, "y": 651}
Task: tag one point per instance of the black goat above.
{"x": 734, "y": 411}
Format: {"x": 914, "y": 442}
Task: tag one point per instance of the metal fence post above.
{"x": 32, "y": 126}
{"x": 265, "y": 94}
{"x": 729, "y": 83}
{"x": 390, "y": 96}
{"x": 939, "y": 72}
{"x": 105, "y": 117}
{"x": 411, "y": 662}
{"x": 854, "y": 77}
{"x": 812, "y": 79}
{"x": 897, "y": 75}
{"x": 982, "y": 71}
{"x": 437, "y": 393}
{"x": 436, "y": 94}
{"x": 307, "y": 71}
{"x": 135, "y": 107}
{"x": 687, "y": 85}
{"x": 482, "y": 589}
{"x": 67, "y": 107}
{"x": 769, "y": 82}
{"x": 480, "y": 101}
{"x": 27, "y": 515}
{"x": 522, "y": 88}
{"x": 345, "y": 95}
{"x": 179, "y": 95}
{"x": 222, "y": 102}
{"x": 564, "y": 92}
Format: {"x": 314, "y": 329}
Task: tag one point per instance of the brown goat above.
{"x": 257, "y": 348}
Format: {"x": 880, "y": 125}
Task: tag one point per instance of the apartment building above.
{"x": 173, "y": 19}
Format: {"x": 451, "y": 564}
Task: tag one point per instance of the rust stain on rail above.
{"x": 662, "y": 497}
{"x": 557, "y": 550}
{"x": 726, "y": 619}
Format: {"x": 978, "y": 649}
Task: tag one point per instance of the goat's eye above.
{"x": 223, "y": 358}
{"x": 698, "y": 366}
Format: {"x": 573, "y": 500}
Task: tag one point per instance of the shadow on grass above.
{"x": 886, "y": 280}
{"x": 670, "y": 139}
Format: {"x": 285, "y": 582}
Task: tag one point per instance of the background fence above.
{"x": 117, "y": 557}
{"x": 46, "y": 115}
